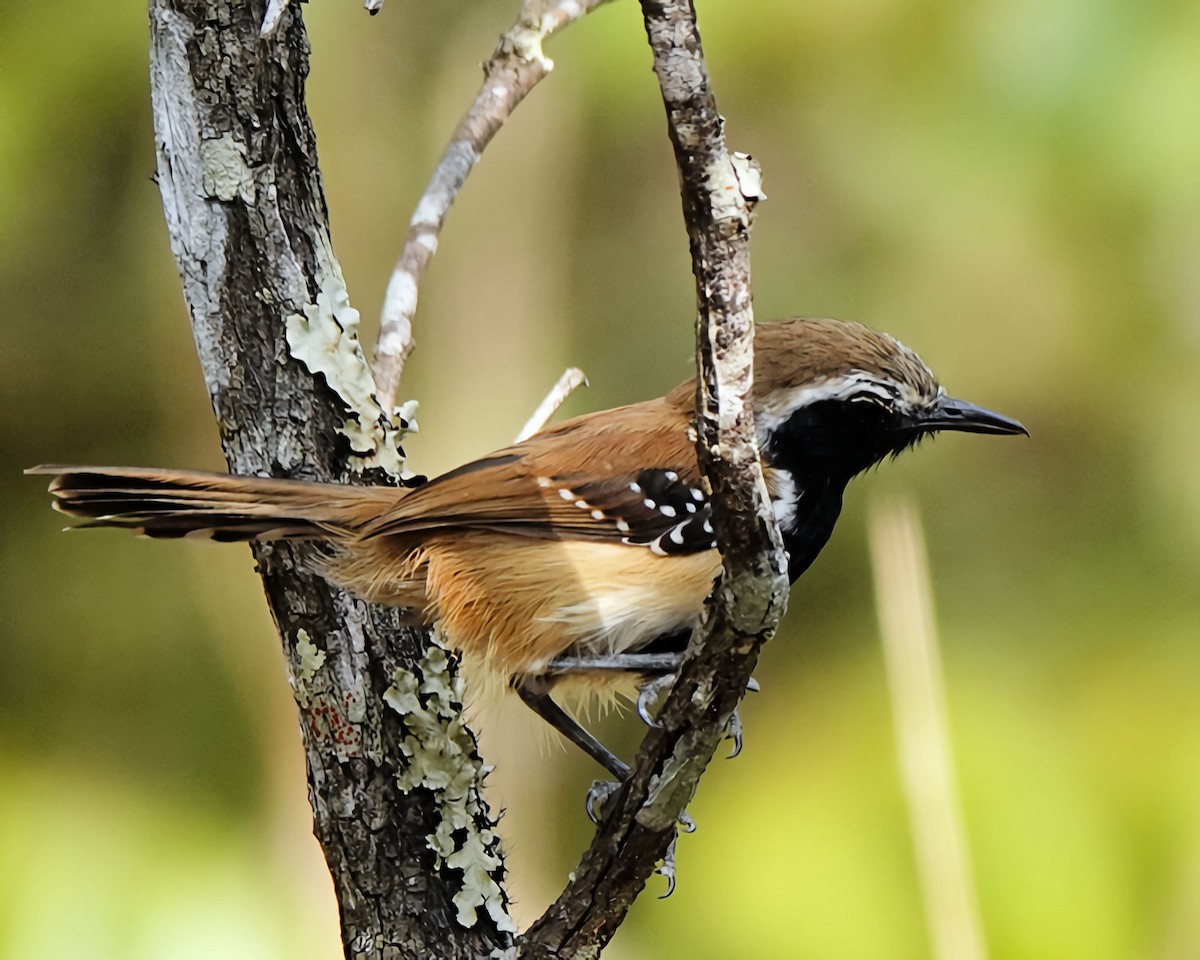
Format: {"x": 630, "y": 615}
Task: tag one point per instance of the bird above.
{"x": 586, "y": 552}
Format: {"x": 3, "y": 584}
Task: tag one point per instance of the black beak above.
{"x": 951, "y": 414}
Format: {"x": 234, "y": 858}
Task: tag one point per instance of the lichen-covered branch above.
{"x": 752, "y": 595}
{"x": 394, "y": 776}
{"x": 515, "y": 68}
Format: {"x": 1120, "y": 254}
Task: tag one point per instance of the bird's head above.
{"x": 837, "y": 398}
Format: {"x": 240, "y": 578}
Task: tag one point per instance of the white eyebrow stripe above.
{"x": 782, "y": 405}
{"x": 837, "y": 388}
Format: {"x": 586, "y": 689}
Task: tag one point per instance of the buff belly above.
{"x": 516, "y": 603}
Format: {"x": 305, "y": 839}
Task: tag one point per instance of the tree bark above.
{"x": 394, "y": 776}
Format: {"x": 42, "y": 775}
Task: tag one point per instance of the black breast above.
{"x": 822, "y": 446}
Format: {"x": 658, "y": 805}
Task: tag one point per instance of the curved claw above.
{"x": 643, "y": 709}
{"x": 686, "y": 823}
{"x": 648, "y": 693}
{"x": 733, "y": 730}
{"x": 667, "y": 869}
{"x": 597, "y": 797}
{"x": 752, "y": 686}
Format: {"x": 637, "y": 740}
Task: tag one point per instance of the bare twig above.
{"x": 904, "y": 603}
{"x": 571, "y": 379}
{"x": 516, "y": 67}
{"x": 746, "y": 607}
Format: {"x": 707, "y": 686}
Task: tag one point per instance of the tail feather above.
{"x": 176, "y": 503}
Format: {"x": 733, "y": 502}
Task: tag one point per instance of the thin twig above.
{"x": 642, "y": 815}
{"x": 572, "y": 379}
{"x": 904, "y": 603}
{"x": 516, "y": 67}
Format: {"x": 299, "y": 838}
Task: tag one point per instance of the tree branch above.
{"x": 515, "y": 68}
{"x": 752, "y": 595}
{"x": 395, "y": 779}
{"x": 571, "y": 379}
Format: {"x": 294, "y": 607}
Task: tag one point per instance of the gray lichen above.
{"x": 325, "y": 339}
{"x": 441, "y": 754}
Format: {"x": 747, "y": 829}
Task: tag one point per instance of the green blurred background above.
{"x": 1011, "y": 187}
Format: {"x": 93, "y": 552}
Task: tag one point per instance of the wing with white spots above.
{"x": 659, "y": 508}
{"x": 623, "y": 476}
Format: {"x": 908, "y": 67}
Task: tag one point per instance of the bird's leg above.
{"x": 661, "y": 670}
{"x": 653, "y": 664}
{"x": 535, "y": 691}
{"x": 658, "y": 669}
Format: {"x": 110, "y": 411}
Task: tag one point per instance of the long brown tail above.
{"x": 180, "y": 503}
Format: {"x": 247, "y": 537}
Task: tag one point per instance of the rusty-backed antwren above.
{"x": 587, "y": 551}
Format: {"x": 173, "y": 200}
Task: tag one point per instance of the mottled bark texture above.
{"x": 753, "y": 593}
{"x": 394, "y": 777}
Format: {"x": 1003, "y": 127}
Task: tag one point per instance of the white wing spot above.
{"x": 566, "y": 494}
{"x": 667, "y": 510}
{"x": 583, "y": 504}
{"x": 544, "y": 482}
{"x": 650, "y": 504}
{"x": 676, "y": 534}
{"x": 597, "y": 514}
{"x": 689, "y": 507}
{"x": 708, "y": 527}
{"x": 622, "y": 526}
{"x": 671, "y": 476}
{"x": 635, "y": 488}
{"x": 697, "y": 494}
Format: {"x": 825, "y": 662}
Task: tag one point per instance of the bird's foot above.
{"x": 598, "y": 796}
{"x": 648, "y": 693}
{"x": 733, "y": 727}
{"x": 601, "y": 791}
{"x": 733, "y": 731}
{"x": 667, "y": 867}
{"x": 650, "y": 690}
